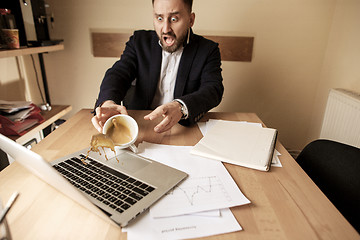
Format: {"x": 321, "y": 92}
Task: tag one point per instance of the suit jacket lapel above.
{"x": 155, "y": 67}
{"x": 186, "y": 61}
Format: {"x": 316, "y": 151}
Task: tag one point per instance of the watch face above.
{"x": 184, "y": 115}
{"x": 182, "y": 110}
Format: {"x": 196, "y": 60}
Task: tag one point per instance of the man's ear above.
{"x": 192, "y": 19}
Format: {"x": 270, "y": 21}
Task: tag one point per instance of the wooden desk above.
{"x": 285, "y": 203}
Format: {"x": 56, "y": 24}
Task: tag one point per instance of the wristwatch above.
{"x": 183, "y": 109}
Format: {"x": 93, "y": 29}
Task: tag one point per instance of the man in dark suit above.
{"x": 176, "y": 72}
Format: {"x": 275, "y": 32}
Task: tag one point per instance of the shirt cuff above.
{"x": 184, "y": 109}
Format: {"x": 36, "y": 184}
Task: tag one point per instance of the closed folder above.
{"x": 19, "y": 128}
{"x": 238, "y": 143}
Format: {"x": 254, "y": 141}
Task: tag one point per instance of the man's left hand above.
{"x": 171, "y": 112}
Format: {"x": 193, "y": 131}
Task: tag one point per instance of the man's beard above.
{"x": 179, "y": 41}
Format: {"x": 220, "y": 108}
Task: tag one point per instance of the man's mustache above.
{"x": 170, "y": 34}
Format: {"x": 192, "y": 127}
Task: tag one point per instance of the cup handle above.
{"x": 133, "y": 148}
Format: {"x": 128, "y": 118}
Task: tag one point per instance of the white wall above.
{"x": 341, "y": 66}
{"x": 285, "y": 84}
{"x": 10, "y": 86}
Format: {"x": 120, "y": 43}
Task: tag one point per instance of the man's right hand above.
{"x": 104, "y": 112}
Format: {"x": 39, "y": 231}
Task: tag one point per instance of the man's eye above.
{"x": 173, "y": 19}
{"x": 159, "y": 18}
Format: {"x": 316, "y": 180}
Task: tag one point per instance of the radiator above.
{"x": 342, "y": 117}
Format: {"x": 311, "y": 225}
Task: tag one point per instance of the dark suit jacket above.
{"x": 198, "y": 82}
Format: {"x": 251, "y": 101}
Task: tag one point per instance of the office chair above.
{"x": 335, "y": 169}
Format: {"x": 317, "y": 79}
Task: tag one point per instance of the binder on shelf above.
{"x": 238, "y": 143}
{"x": 9, "y": 127}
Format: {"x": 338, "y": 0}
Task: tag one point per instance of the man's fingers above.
{"x": 104, "y": 113}
{"x": 164, "y": 125}
{"x": 100, "y": 118}
{"x": 96, "y": 123}
{"x": 98, "y": 111}
{"x": 159, "y": 111}
{"x": 171, "y": 114}
{"x": 122, "y": 110}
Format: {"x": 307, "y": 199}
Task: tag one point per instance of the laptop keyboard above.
{"x": 112, "y": 188}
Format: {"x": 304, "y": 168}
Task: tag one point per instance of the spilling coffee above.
{"x": 118, "y": 133}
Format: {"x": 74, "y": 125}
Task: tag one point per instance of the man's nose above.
{"x": 167, "y": 27}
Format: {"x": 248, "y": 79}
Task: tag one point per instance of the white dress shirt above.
{"x": 166, "y": 85}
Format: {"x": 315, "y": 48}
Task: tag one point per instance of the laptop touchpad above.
{"x": 129, "y": 162}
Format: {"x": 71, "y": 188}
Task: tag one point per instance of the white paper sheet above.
{"x": 181, "y": 227}
{"x": 208, "y": 187}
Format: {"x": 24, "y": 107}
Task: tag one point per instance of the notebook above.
{"x": 238, "y": 143}
{"x": 120, "y": 188}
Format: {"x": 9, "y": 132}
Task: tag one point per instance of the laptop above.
{"x": 120, "y": 188}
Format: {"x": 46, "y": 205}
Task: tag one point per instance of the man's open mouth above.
{"x": 169, "y": 40}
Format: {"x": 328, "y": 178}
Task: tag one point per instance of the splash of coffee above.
{"x": 103, "y": 141}
{"x": 117, "y": 134}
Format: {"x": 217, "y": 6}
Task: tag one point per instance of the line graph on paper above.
{"x": 195, "y": 194}
{"x": 195, "y": 190}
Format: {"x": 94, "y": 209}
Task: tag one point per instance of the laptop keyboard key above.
{"x": 130, "y": 180}
{"x": 130, "y": 201}
{"x": 140, "y": 191}
{"x": 137, "y": 183}
{"x": 119, "y": 210}
{"x": 136, "y": 196}
{"x": 143, "y": 186}
{"x": 106, "y": 195}
{"x": 110, "y": 190}
{"x": 127, "y": 191}
{"x": 125, "y": 206}
{"x": 116, "y": 193}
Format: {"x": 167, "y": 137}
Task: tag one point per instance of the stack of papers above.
{"x": 240, "y": 143}
{"x": 18, "y": 116}
{"x": 15, "y": 110}
{"x": 197, "y": 207}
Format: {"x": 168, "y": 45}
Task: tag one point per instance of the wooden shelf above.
{"x": 56, "y": 112}
{"x": 30, "y": 50}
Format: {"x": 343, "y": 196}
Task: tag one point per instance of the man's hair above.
{"x": 188, "y": 3}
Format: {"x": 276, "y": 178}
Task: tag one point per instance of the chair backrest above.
{"x": 335, "y": 169}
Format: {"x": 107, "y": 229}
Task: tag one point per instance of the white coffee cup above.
{"x": 125, "y": 125}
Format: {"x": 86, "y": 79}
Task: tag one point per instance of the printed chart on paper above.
{"x": 198, "y": 191}
{"x": 195, "y": 194}
{"x": 208, "y": 187}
